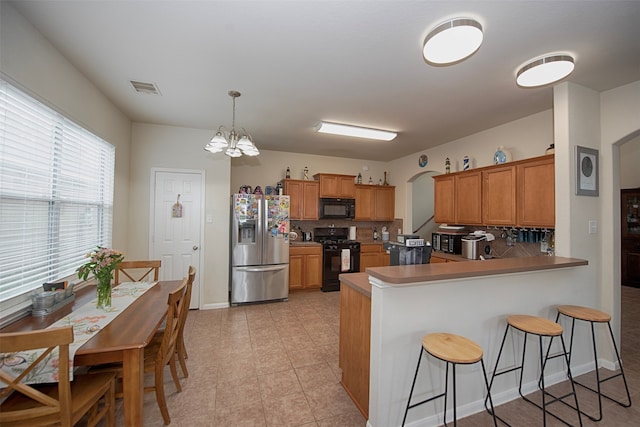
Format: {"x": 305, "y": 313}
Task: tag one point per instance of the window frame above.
{"x": 71, "y": 194}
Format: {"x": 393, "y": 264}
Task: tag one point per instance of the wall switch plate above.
{"x": 209, "y": 218}
{"x": 593, "y": 226}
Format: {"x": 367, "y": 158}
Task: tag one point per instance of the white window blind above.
{"x": 56, "y": 193}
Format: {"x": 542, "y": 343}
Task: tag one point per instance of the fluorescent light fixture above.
{"x": 452, "y": 41}
{"x": 545, "y": 70}
{"x": 357, "y": 131}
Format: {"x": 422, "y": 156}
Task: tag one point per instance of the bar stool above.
{"x": 540, "y": 327}
{"x": 454, "y": 350}
{"x": 594, "y": 316}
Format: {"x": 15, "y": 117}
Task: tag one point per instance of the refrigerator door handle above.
{"x": 258, "y": 269}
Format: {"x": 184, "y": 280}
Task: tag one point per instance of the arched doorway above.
{"x": 421, "y": 205}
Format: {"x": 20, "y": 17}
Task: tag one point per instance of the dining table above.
{"x": 121, "y": 341}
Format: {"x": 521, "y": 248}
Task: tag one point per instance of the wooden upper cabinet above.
{"x": 468, "y": 198}
{"x": 520, "y": 193}
{"x": 375, "y": 203}
{"x": 499, "y": 196}
{"x": 536, "y": 196}
{"x": 384, "y": 203}
{"x": 364, "y": 202}
{"x": 336, "y": 186}
{"x": 444, "y": 198}
{"x": 304, "y": 198}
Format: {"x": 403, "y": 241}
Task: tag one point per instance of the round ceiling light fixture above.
{"x": 452, "y": 41}
{"x": 545, "y": 70}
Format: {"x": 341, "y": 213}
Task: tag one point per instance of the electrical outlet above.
{"x": 593, "y": 226}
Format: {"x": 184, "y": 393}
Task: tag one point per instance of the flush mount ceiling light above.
{"x": 230, "y": 141}
{"x": 545, "y": 70}
{"x": 357, "y": 131}
{"x": 452, "y": 41}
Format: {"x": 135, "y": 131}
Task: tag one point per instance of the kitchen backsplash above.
{"x": 364, "y": 229}
{"x": 516, "y": 244}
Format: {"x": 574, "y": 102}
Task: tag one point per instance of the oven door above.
{"x": 333, "y": 267}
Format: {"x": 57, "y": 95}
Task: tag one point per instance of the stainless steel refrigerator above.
{"x": 259, "y": 250}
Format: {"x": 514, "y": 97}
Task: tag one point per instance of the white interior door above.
{"x": 176, "y": 224}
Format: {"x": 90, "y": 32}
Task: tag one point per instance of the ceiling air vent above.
{"x": 148, "y": 88}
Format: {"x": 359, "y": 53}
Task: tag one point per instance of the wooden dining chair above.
{"x": 64, "y": 403}
{"x": 137, "y": 271}
{"x": 181, "y": 349}
{"x": 159, "y": 354}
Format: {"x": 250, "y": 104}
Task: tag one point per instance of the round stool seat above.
{"x": 584, "y": 313}
{"x": 535, "y": 325}
{"x": 452, "y": 348}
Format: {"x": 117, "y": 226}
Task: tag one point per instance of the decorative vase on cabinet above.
{"x": 502, "y": 155}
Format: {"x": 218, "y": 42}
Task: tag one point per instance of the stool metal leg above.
{"x": 541, "y": 384}
{"x": 599, "y": 381}
{"x": 412, "y": 386}
{"x": 486, "y": 383}
{"x": 446, "y": 391}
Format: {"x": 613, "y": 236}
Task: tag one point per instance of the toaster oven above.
{"x": 447, "y": 243}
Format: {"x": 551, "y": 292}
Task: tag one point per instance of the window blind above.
{"x": 56, "y": 193}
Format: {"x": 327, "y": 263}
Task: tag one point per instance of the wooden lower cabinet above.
{"x": 355, "y": 342}
{"x": 434, "y": 259}
{"x": 372, "y": 255}
{"x": 305, "y": 267}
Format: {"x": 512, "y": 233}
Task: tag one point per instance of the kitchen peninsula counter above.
{"x": 469, "y": 298}
{"x": 407, "y": 275}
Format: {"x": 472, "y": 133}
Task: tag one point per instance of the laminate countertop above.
{"x": 404, "y": 275}
{"x": 357, "y": 281}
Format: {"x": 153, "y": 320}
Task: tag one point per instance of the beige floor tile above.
{"x": 270, "y": 361}
{"x": 329, "y": 400}
{"x": 279, "y": 384}
{"x": 300, "y": 358}
{"x": 313, "y": 377}
{"x": 250, "y": 414}
{"x": 288, "y": 410}
{"x": 237, "y": 393}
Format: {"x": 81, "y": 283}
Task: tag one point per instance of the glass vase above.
{"x": 104, "y": 293}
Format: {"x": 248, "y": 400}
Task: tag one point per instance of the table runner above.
{"x": 86, "y": 322}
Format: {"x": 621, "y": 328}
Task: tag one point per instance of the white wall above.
{"x": 629, "y": 161}
{"x": 270, "y": 166}
{"x": 155, "y": 146}
{"x": 620, "y": 123}
{"x": 32, "y": 63}
{"x": 525, "y": 138}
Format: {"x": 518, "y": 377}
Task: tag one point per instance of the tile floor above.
{"x": 277, "y": 365}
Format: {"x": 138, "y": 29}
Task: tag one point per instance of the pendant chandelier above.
{"x": 230, "y": 141}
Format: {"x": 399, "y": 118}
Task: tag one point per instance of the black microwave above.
{"x": 337, "y": 208}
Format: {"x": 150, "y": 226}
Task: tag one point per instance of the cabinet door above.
{"x": 468, "y": 198}
{"x": 364, "y": 202}
{"x": 346, "y": 187}
{"x": 384, "y": 203}
{"x": 296, "y": 272}
{"x": 313, "y": 270}
{"x": 499, "y": 196}
{"x": 444, "y": 193}
{"x": 536, "y": 193}
{"x": 329, "y": 186}
{"x": 311, "y": 194}
{"x": 295, "y": 190}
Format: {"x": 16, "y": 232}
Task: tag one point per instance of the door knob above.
{"x": 195, "y": 248}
